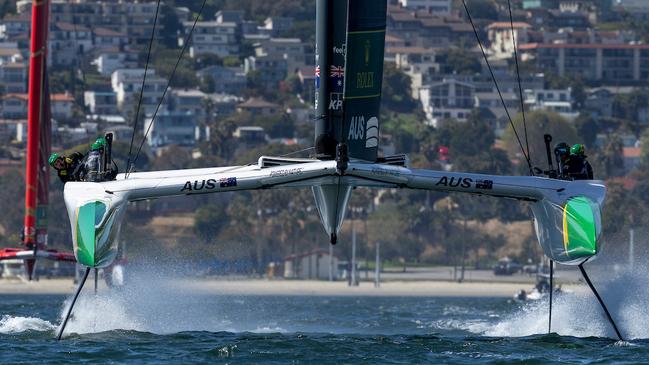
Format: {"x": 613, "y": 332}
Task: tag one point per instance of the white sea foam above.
{"x": 579, "y": 314}
{"x": 11, "y": 324}
{"x": 157, "y": 302}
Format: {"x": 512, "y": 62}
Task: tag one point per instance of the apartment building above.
{"x": 221, "y": 39}
{"x": 608, "y": 63}
{"x": 101, "y": 102}
{"x": 127, "y": 85}
{"x": 437, "y": 7}
{"x": 448, "y": 98}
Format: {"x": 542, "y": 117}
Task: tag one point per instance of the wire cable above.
{"x": 493, "y": 77}
{"x": 139, "y": 103}
{"x": 164, "y": 93}
{"x": 518, "y": 77}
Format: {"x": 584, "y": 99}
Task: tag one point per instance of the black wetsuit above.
{"x": 69, "y": 172}
{"x": 578, "y": 168}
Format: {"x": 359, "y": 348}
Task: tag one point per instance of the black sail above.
{"x": 350, "y": 43}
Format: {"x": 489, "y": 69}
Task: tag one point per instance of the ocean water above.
{"x": 155, "y": 321}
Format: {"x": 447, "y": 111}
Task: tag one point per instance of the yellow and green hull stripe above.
{"x": 579, "y": 228}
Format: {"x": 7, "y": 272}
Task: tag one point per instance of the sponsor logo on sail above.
{"x": 360, "y": 129}
{"x": 335, "y": 101}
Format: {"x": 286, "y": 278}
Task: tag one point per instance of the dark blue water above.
{"x": 155, "y": 323}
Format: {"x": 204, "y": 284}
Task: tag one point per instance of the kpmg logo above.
{"x": 360, "y": 129}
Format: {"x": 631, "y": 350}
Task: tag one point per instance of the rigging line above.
{"x": 520, "y": 87}
{"x": 78, "y": 63}
{"x": 296, "y": 152}
{"x": 551, "y": 291}
{"x": 164, "y": 93}
{"x": 493, "y": 77}
{"x": 139, "y": 103}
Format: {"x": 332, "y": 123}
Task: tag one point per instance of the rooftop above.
{"x": 257, "y": 103}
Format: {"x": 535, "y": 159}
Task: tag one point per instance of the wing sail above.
{"x": 364, "y": 77}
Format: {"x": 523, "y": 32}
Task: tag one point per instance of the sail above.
{"x": 350, "y": 42}
{"x": 44, "y": 149}
{"x": 363, "y": 77}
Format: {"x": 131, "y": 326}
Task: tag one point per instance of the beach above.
{"x": 242, "y": 287}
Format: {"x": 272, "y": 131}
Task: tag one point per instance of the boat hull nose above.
{"x": 331, "y": 201}
{"x": 95, "y": 217}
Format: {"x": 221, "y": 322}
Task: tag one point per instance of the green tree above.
{"x": 397, "y": 90}
{"x": 209, "y": 220}
{"x": 587, "y": 129}
{"x": 459, "y": 60}
{"x": 276, "y": 126}
{"x": 626, "y": 106}
{"x": 173, "y": 158}
{"x": 171, "y": 25}
{"x": 612, "y": 158}
{"x": 11, "y": 217}
{"x": 404, "y": 129}
{"x": 538, "y": 123}
{"x": 7, "y": 7}
{"x": 483, "y": 9}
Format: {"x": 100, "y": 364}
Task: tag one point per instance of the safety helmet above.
{"x": 562, "y": 149}
{"x": 577, "y": 149}
{"x": 53, "y": 157}
{"x": 99, "y": 144}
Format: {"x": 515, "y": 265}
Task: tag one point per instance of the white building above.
{"x": 113, "y": 59}
{"x": 13, "y": 106}
{"x": 500, "y": 38}
{"x": 127, "y": 85}
{"x": 62, "y": 106}
{"x": 293, "y": 50}
{"x": 448, "y": 98}
{"x": 13, "y": 77}
{"x": 104, "y": 37}
{"x": 13, "y": 130}
{"x": 556, "y": 100}
{"x": 437, "y": 7}
{"x": 311, "y": 265}
{"x": 185, "y": 101}
{"x": 212, "y": 37}
{"x": 416, "y": 62}
{"x": 101, "y": 102}
{"x": 9, "y": 53}
{"x": 67, "y": 42}
{"x": 171, "y": 128}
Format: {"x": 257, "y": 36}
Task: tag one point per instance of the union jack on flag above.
{"x": 337, "y": 71}
{"x": 317, "y": 71}
{"x": 317, "y": 77}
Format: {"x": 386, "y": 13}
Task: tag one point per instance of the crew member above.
{"x": 91, "y": 170}
{"x": 578, "y": 167}
{"x": 562, "y": 155}
{"x": 66, "y": 166}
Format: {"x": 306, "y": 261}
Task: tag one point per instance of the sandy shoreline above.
{"x": 294, "y": 287}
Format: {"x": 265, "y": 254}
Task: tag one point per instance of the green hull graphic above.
{"x": 96, "y": 240}
{"x": 88, "y": 218}
{"x": 579, "y": 227}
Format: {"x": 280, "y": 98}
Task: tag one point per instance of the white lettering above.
{"x": 357, "y": 128}
{"x": 335, "y": 104}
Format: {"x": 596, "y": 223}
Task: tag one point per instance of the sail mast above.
{"x": 35, "y": 113}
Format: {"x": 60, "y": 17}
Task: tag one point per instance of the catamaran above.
{"x": 350, "y": 41}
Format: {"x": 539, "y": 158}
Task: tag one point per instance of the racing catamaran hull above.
{"x": 567, "y": 213}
